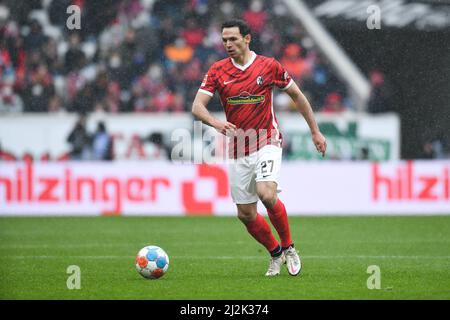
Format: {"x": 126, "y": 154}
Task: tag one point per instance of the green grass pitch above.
{"x": 215, "y": 258}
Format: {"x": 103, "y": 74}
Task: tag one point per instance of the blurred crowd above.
{"x": 147, "y": 55}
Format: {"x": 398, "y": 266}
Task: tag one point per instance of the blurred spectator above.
{"x": 193, "y": 71}
{"x": 79, "y": 140}
{"x": 379, "y": 100}
{"x": 255, "y": 16}
{"x": 6, "y": 66}
{"x": 320, "y": 82}
{"x": 17, "y": 55}
{"x": 178, "y": 51}
{"x": 100, "y": 85}
{"x": 20, "y": 10}
{"x": 116, "y": 68}
{"x": 193, "y": 34}
{"x": 55, "y": 104}
{"x": 50, "y": 56}
{"x": 165, "y": 101}
{"x": 35, "y": 38}
{"x": 434, "y": 148}
{"x": 84, "y": 101}
{"x": 227, "y": 10}
{"x": 130, "y": 8}
{"x": 101, "y": 143}
{"x": 270, "y": 39}
{"x": 38, "y": 92}
{"x": 146, "y": 38}
{"x": 167, "y": 33}
{"x": 132, "y": 60}
{"x": 428, "y": 151}
{"x": 293, "y": 62}
{"x": 147, "y": 86}
{"x": 333, "y": 103}
{"x": 9, "y": 101}
{"x": 56, "y": 12}
{"x": 112, "y": 99}
{"x": 157, "y": 149}
{"x": 75, "y": 57}
{"x": 438, "y": 148}
{"x": 197, "y": 8}
{"x": 98, "y": 15}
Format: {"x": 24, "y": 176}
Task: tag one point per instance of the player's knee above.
{"x": 246, "y": 216}
{"x": 245, "y": 219}
{"x": 267, "y": 193}
{"x": 268, "y": 197}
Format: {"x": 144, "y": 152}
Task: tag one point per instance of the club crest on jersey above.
{"x": 245, "y": 98}
{"x": 259, "y": 81}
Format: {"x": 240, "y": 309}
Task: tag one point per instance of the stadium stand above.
{"x": 142, "y": 55}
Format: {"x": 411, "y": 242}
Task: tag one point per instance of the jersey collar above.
{"x": 248, "y": 64}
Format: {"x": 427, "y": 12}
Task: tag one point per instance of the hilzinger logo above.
{"x": 67, "y": 187}
{"x": 408, "y": 185}
{"x": 109, "y": 193}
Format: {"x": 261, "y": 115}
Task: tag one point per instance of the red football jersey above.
{"x": 246, "y": 94}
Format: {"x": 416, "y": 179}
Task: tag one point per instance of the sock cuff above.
{"x": 276, "y": 252}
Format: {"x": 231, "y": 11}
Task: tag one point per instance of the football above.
{"x": 152, "y": 262}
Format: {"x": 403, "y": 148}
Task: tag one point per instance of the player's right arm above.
{"x": 200, "y": 111}
{"x": 204, "y": 95}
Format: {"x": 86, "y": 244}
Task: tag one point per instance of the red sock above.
{"x": 279, "y": 219}
{"x": 260, "y": 230}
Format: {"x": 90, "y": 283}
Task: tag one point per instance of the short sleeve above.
{"x": 208, "y": 85}
{"x": 281, "y": 79}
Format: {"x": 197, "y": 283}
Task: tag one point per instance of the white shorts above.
{"x": 244, "y": 172}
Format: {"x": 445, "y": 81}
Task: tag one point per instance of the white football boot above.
{"x": 293, "y": 262}
{"x": 275, "y": 265}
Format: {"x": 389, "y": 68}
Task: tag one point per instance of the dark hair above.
{"x": 244, "y": 29}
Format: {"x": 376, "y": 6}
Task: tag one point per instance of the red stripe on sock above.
{"x": 278, "y": 217}
{"x": 260, "y": 230}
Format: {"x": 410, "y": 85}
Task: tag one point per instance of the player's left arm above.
{"x": 305, "y": 109}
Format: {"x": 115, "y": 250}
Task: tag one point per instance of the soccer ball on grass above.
{"x": 152, "y": 262}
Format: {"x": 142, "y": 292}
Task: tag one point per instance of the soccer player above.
{"x": 245, "y": 82}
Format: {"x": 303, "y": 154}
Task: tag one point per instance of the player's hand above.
{"x": 226, "y": 128}
{"x": 320, "y": 142}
